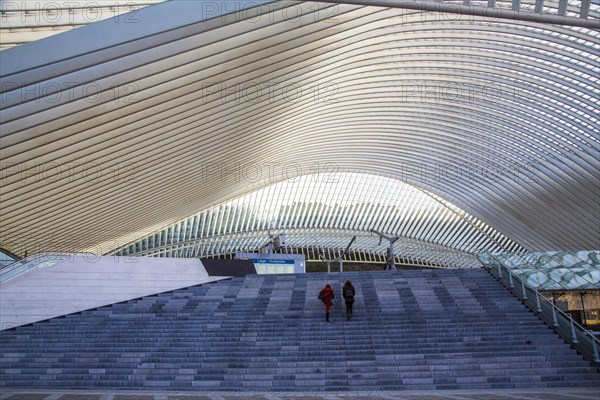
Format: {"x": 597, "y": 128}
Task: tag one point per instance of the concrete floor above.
{"x": 504, "y": 394}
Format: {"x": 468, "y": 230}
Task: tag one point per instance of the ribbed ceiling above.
{"x": 113, "y": 130}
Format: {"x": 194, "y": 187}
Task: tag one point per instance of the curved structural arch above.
{"x": 107, "y": 140}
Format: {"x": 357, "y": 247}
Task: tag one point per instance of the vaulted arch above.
{"x": 113, "y": 131}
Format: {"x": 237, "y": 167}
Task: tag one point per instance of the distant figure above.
{"x": 389, "y": 259}
{"x": 348, "y": 292}
{"x": 326, "y": 296}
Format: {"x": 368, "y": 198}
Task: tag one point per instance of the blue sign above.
{"x": 266, "y": 261}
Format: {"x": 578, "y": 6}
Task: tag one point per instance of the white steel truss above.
{"x": 318, "y": 211}
{"x": 113, "y": 131}
{"x": 366, "y": 249}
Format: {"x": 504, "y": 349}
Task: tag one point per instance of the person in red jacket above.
{"x": 326, "y": 295}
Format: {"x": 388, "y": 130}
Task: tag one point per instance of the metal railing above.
{"x": 38, "y": 260}
{"x": 563, "y": 324}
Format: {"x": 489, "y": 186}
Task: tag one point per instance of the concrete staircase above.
{"x": 421, "y": 329}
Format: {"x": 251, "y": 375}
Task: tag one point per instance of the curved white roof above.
{"x": 113, "y": 130}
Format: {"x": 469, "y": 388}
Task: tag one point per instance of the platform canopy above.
{"x": 116, "y": 130}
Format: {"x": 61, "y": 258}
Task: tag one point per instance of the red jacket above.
{"x": 328, "y": 295}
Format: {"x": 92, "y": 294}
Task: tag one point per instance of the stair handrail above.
{"x": 562, "y": 323}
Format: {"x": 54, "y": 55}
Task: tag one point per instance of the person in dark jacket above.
{"x": 326, "y": 295}
{"x": 348, "y": 292}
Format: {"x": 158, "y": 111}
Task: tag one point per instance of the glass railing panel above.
{"x": 555, "y": 270}
{"x": 40, "y": 260}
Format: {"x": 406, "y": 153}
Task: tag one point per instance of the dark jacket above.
{"x": 328, "y": 295}
{"x": 348, "y": 288}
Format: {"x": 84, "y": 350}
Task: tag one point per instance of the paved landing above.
{"x": 504, "y": 394}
